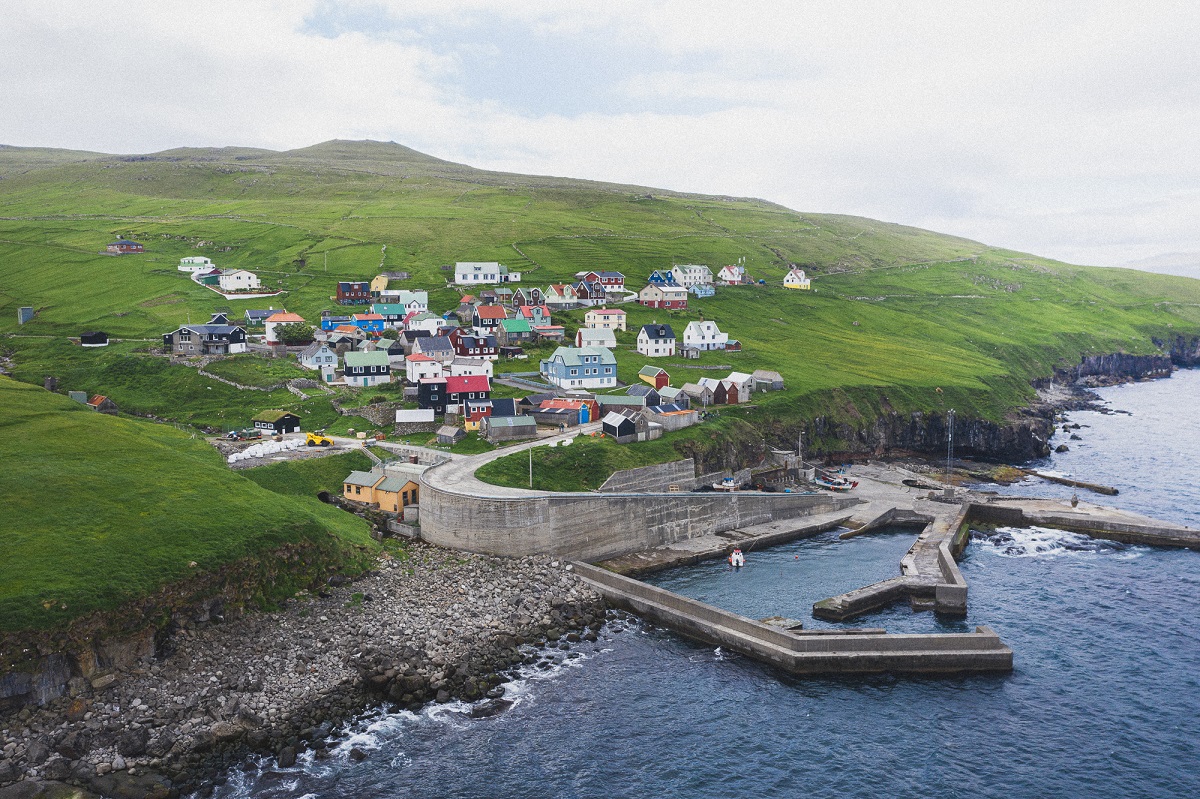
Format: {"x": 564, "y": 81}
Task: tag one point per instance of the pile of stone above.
{"x": 431, "y": 625}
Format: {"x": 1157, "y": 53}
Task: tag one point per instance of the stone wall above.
{"x": 657, "y": 477}
{"x": 598, "y": 526}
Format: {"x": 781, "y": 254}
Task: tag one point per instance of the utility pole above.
{"x": 531, "y": 467}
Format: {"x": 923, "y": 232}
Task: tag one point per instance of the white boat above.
{"x": 728, "y": 484}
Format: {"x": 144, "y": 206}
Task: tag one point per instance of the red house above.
{"x": 353, "y": 293}
{"x": 471, "y": 346}
{"x": 609, "y": 280}
{"x": 122, "y": 246}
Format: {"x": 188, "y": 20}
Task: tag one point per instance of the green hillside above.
{"x": 103, "y": 510}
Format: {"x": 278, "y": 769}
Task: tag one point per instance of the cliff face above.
{"x": 1184, "y": 351}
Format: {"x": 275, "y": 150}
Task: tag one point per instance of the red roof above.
{"x": 491, "y": 312}
{"x": 569, "y": 404}
{"x": 285, "y": 316}
{"x": 97, "y": 400}
{"x": 371, "y": 316}
{"x": 417, "y": 357}
{"x": 461, "y": 383}
{"x": 345, "y": 329}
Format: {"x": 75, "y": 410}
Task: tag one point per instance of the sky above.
{"x": 1067, "y": 129}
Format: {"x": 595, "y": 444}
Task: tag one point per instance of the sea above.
{"x": 1104, "y": 699}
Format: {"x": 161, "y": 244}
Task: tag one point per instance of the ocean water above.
{"x": 1104, "y": 700}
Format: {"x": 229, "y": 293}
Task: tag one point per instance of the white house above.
{"x": 704, "y": 335}
{"x": 461, "y": 366}
{"x": 471, "y": 273}
{"x": 419, "y": 367}
{"x": 734, "y": 274}
{"x": 196, "y": 263}
{"x": 796, "y": 279}
{"x": 423, "y": 320}
{"x": 275, "y": 320}
{"x": 411, "y": 300}
{"x": 656, "y": 341}
{"x": 596, "y": 337}
{"x": 317, "y": 355}
{"x": 688, "y": 275}
{"x": 238, "y": 280}
{"x": 605, "y": 318}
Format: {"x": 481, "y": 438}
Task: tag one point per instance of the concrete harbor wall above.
{"x": 800, "y": 653}
{"x": 593, "y": 526}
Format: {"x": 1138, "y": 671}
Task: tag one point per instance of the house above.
{"x": 502, "y": 295}
{"x": 331, "y": 322}
{"x": 560, "y": 296}
{"x": 672, "y": 417}
{"x": 656, "y": 376}
{"x": 796, "y": 279}
{"x": 393, "y": 313}
{"x": 473, "y": 346}
{"x": 371, "y": 323}
{"x": 367, "y": 368}
{"x": 124, "y": 246}
{"x": 407, "y": 299}
{"x": 353, "y": 292}
{"x": 704, "y": 335}
{"x": 256, "y": 318}
{"x": 210, "y": 278}
{"x": 379, "y": 284}
{"x": 766, "y": 380}
{"x": 674, "y": 396}
{"x": 439, "y": 392}
{"x": 102, "y": 404}
{"x": 611, "y": 281}
{"x": 409, "y": 337}
{"x": 733, "y": 275}
{"x": 275, "y": 321}
{"x": 605, "y": 318}
{"x": 648, "y": 394}
{"x": 468, "y": 366}
{"x": 396, "y": 492}
{"x": 487, "y": 318}
{"x": 535, "y": 315}
{"x": 360, "y": 486}
{"x": 595, "y": 337}
{"x": 94, "y": 338}
{"x": 662, "y": 277}
{"x": 469, "y": 273}
{"x": 513, "y": 332}
{"x": 448, "y": 435}
{"x": 702, "y": 290}
{"x": 745, "y": 384}
{"x": 474, "y": 412}
{"x": 317, "y": 356}
{"x": 218, "y": 337}
{"x": 688, "y": 275}
{"x": 238, "y": 280}
{"x": 507, "y": 428}
{"x": 439, "y": 348}
{"x": 727, "y": 392}
{"x": 526, "y": 296}
{"x": 590, "y": 293}
{"x": 423, "y": 320}
{"x": 626, "y": 430}
{"x": 585, "y": 409}
{"x": 418, "y": 367}
{"x": 549, "y": 332}
{"x": 665, "y": 296}
{"x": 656, "y": 341}
{"x": 509, "y": 277}
{"x": 276, "y": 422}
{"x": 580, "y": 367}
{"x": 346, "y": 337}
{"x": 698, "y": 394}
{"x": 195, "y": 263}
{"x": 393, "y": 348}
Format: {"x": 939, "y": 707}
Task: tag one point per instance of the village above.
{"x": 380, "y": 332}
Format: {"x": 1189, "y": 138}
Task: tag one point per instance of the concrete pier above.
{"x": 832, "y": 652}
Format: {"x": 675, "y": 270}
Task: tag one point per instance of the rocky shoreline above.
{"x": 428, "y": 626}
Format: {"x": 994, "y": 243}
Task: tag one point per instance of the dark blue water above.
{"x": 1104, "y": 701}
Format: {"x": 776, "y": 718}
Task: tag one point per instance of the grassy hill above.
{"x": 103, "y": 510}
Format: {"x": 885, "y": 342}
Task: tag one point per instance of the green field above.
{"x": 104, "y": 510}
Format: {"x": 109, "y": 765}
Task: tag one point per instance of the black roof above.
{"x": 504, "y": 407}
{"x": 659, "y": 331}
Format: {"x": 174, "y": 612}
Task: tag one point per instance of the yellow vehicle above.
{"x": 317, "y": 440}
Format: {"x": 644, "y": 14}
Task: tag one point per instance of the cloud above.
{"x": 1062, "y": 129}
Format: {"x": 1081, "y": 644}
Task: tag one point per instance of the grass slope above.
{"x": 102, "y": 510}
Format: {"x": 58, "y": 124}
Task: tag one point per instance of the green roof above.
{"x": 376, "y": 358}
{"x": 270, "y": 416}
{"x": 610, "y": 399}
{"x": 511, "y": 421}
{"x": 650, "y": 371}
{"x": 515, "y": 326}
{"x": 389, "y": 309}
{"x": 392, "y": 484}
{"x": 366, "y": 479}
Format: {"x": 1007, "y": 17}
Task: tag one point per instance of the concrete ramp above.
{"x": 796, "y": 652}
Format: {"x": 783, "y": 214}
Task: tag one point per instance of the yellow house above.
{"x": 378, "y": 284}
{"x": 605, "y": 319}
{"x": 388, "y": 492}
{"x": 796, "y": 279}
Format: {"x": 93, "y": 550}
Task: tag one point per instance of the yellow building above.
{"x": 387, "y": 492}
{"x": 378, "y": 284}
{"x": 605, "y": 319}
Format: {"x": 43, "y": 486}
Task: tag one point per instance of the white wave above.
{"x": 1041, "y": 542}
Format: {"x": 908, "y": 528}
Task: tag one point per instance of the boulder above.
{"x": 132, "y": 743}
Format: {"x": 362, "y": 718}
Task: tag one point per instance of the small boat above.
{"x": 728, "y": 484}
{"x": 834, "y": 482}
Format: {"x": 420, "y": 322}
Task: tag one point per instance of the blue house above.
{"x": 581, "y": 367}
{"x": 368, "y": 322}
{"x": 662, "y": 277}
{"x": 333, "y": 322}
{"x": 703, "y": 290}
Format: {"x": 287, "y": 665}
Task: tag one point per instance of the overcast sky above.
{"x": 1065, "y": 129}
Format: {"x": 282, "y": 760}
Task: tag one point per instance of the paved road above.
{"x": 458, "y": 476}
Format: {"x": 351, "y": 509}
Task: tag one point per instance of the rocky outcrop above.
{"x": 1184, "y": 351}
{"x": 435, "y": 626}
{"x": 1114, "y": 368}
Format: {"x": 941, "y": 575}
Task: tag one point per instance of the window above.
{"x": 358, "y": 489}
